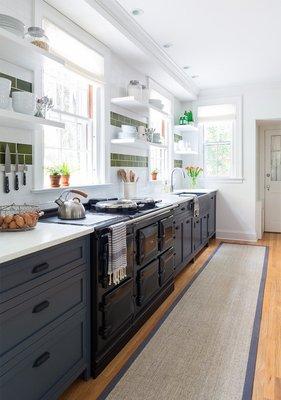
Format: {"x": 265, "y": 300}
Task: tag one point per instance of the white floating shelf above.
{"x": 131, "y": 142}
{"x": 163, "y": 146}
{"x": 193, "y": 153}
{"x": 186, "y": 128}
{"x": 13, "y": 119}
{"x": 131, "y": 104}
{"x": 20, "y": 52}
{"x": 158, "y": 110}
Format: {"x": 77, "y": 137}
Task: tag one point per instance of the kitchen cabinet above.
{"x": 178, "y": 223}
{"x": 44, "y": 317}
{"x": 192, "y": 234}
{"x": 197, "y": 234}
{"x": 212, "y": 216}
{"x": 187, "y": 234}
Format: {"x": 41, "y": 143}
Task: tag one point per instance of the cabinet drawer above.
{"x": 39, "y": 370}
{"x": 42, "y": 266}
{"x": 38, "y": 310}
{"x": 181, "y": 208}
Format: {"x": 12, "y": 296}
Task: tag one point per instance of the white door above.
{"x": 273, "y": 181}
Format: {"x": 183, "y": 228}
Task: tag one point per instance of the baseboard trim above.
{"x": 237, "y": 236}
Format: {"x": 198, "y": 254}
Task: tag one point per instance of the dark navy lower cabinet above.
{"x": 192, "y": 234}
{"x": 45, "y": 327}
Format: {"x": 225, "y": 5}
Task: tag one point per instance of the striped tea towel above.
{"x": 117, "y": 253}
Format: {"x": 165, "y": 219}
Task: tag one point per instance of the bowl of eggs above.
{"x": 15, "y": 218}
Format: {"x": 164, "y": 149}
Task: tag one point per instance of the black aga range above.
{"x": 119, "y": 310}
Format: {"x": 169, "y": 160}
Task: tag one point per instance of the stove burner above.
{"x": 124, "y": 206}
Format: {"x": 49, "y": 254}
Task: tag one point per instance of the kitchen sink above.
{"x": 190, "y": 193}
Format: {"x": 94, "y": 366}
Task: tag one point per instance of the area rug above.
{"x": 205, "y": 346}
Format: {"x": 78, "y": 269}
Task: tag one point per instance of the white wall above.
{"x": 238, "y": 216}
{"x": 120, "y": 75}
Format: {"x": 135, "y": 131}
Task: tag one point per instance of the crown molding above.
{"x": 114, "y": 13}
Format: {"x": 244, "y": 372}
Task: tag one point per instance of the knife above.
{"x": 17, "y": 170}
{"x": 24, "y": 174}
{"x": 7, "y": 169}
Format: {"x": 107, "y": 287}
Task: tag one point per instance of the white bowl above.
{"x": 24, "y": 102}
{"x": 127, "y": 135}
{"x": 128, "y": 128}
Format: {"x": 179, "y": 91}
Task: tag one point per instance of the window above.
{"x": 221, "y": 140}
{"x": 75, "y": 92}
{"x": 161, "y": 123}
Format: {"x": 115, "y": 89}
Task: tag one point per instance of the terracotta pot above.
{"x": 65, "y": 180}
{"x": 154, "y": 177}
{"x": 55, "y": 181}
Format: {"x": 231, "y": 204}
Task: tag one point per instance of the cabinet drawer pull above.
{"x": 40, "y": 268}
{"x": 40, "y": 307}
{"x": 40, "y": 360}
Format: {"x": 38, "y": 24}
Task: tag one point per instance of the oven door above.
{"x": 147, "y": 243}
{"x": 166, "y": 266}
{"x": 166, "y": 233}
{"x": 147, "y": 282}
{"x": 117, "y": 308}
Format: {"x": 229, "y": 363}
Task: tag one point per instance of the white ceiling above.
{"x": 226, "y": 42}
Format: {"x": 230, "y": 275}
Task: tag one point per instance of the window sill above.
{"x": 59, "y": 189}
{"x": 223, "y": 180}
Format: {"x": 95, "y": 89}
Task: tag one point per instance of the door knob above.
{"x": 268, "y": 175}
{"x": 267, "y": 187}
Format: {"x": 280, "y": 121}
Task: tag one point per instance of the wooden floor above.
{"x": 267, "y": 384}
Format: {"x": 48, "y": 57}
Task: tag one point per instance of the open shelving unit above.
{"x": 131, "y": 104}
{"x": 186, "y": 128}
{"x": 136, "y": 143}
{"x": 12, "y": 119}
{"x": 20, "y": 52}
{"x": 131, "y": 142}
{"x": 194, "y": 153}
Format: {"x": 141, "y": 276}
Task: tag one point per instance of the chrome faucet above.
{"x": 172, "y": 176}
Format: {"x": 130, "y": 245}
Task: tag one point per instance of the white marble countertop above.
{"x": 18, "y": 244}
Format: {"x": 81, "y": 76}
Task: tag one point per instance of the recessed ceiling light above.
{"x": 167, "y": 45}
{"x": 186, "y": 67}
{"x": 194, "y": 76}
{"x": 137, "y": 11}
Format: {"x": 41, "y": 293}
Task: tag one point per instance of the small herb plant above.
{"x": 155, "y": 171}
{"x": 65, "y": 169}
{"x": 54, "y": 171}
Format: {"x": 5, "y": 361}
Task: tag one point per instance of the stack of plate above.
{"x": 156, "y": 103}
{"x": 128, "y": 132}
{"x": 12, "y": 25}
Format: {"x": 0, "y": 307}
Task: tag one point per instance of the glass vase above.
{"x": 193, "y": 182}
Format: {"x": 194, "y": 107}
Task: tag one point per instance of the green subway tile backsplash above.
{"x": 18, "y": 84}
{"x": 24, "y": 151}
{"x": 118, "y": 120}
{"x": 127, "y": 160}
{"x": 178, "y": 163}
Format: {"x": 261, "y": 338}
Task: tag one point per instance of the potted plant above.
{"x": 65, "y": 174}
{"x": 154, "y": 174}
{"x": 193, "y": 173}
{"x": 54, "y": 173}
